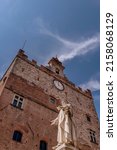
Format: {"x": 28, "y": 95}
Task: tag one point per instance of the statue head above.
{"x": 63, "y": 103}
{"x": 59, "y": 107}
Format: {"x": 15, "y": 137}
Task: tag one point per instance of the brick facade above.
{"x": 36, "y": 85}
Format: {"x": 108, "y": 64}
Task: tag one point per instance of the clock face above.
{"x": 58, "y": 85}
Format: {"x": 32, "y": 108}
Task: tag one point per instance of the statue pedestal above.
{"x": 66, "y": 147}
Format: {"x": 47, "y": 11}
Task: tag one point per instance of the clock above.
{"x": 58, "y": 85}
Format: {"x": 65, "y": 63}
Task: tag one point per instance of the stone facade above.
{"x": 35, "y": 84}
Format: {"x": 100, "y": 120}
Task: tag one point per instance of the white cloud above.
{"x": 70, "y": 49}
{"x": 92, "y": 84}
{"x": 79, "y": 48}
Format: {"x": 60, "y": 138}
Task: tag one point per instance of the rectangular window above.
{"x": 17, "y": 136}
{"x": 17, "y": 101}
{"x": 43, "y": 145}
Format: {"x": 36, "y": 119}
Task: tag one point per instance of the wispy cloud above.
{"x": 70, "y": 49}
{"x": 79, "y": 48}
{"x": 93, "y": 85}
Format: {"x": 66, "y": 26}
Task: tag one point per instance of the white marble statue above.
{"x": 66, "y": 128}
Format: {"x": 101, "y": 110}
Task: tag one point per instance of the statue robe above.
{"x": 66, "y": 128}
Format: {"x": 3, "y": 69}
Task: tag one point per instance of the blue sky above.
{"x": 66, "y": 28}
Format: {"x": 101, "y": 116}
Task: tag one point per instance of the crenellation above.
{"x": 34, "y": 62}
{"x": 22, "y": 54}
{"x": 64, "y": 79}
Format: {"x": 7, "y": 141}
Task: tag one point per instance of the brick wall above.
{"x": 33, "y": 121}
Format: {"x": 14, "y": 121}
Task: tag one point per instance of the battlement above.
{"x": 21, "y": 54}
{"x": 47, "y": 69}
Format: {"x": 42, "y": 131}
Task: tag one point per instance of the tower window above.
{"x": 57, "y": 71}
{"x": 43, "y": 145}
{"x": 17, "y": 101}
{"x": 17, "y": 136}
{"x": 92, "y": 136}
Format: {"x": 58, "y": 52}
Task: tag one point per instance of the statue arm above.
{"x": 54, "y": 122}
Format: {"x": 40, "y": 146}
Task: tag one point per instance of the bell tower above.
{"x": 56, "y": 66}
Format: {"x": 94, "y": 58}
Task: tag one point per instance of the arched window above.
{"x": 43, "y": 145}
{"x": 17, "y": 136}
